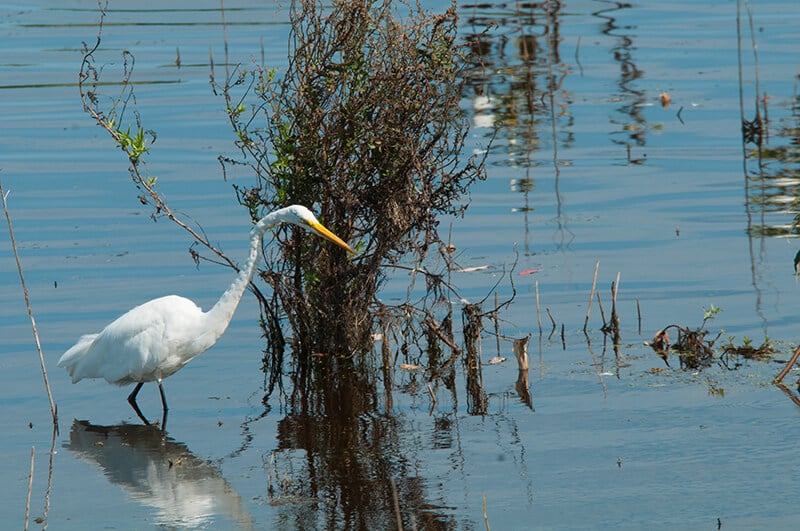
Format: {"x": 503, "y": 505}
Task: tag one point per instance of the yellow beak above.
{"x": 323, "y": 231}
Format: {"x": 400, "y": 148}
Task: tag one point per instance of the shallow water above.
{"x": 656, "y": 194}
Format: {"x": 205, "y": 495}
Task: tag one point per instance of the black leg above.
{"x": 164, "y": 406}
{"x": 134, "y": 405}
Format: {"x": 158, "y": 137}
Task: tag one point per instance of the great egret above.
{"x": 154, "y": 340}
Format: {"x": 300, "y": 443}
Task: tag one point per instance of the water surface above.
{"x": 602, "y": 171}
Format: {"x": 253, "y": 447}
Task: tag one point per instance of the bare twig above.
{"x": 160, "y": 205}
{"x": 53, "y": 409}
{"x": 88, "y": 80}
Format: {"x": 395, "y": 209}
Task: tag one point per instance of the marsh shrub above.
{"x": 365, "y": 127}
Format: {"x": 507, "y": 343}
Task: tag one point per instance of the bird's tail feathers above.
{"x": 71, "y": 359}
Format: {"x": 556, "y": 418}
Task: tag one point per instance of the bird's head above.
{"x": 303, "y": 217}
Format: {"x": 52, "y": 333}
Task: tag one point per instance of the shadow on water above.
{"x": 183, "y": 490}
{"x": 354, "y": 469}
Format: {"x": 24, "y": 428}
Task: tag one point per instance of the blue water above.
{"x": 610, "y": 443}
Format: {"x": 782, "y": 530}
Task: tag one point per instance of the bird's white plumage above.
{"x": 157, "y": 338}
{"x": 148, "y": 343}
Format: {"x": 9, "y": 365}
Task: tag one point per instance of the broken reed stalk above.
{"x": 30, "y": 489}
{"x": 779, "y": 379}
{"x": 486, "y": 516}
{"x": 538, "y": 310}
{"x": 473, "y": 326}
{"x": 522, "y": 385}
{"x": 591, "y": 296}
{"x": 53, "y": 409}
{"x": 520, "y": 348}
{"x": 639, "y": 315}
{"x": 614, "y": 314}
{"x": 432, "y": 393}
{"x": 552, "y": 320}
{"x": 497, "y": 322}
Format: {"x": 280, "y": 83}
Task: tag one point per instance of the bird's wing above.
{"x": 144, "y": 344}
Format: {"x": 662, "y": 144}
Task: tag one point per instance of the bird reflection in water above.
{"x": 184, "y": 491}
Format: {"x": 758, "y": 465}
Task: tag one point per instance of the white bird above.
{"x": 154, "y": 340}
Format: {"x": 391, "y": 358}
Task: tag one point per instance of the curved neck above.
{"x": 220, "y": 315}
